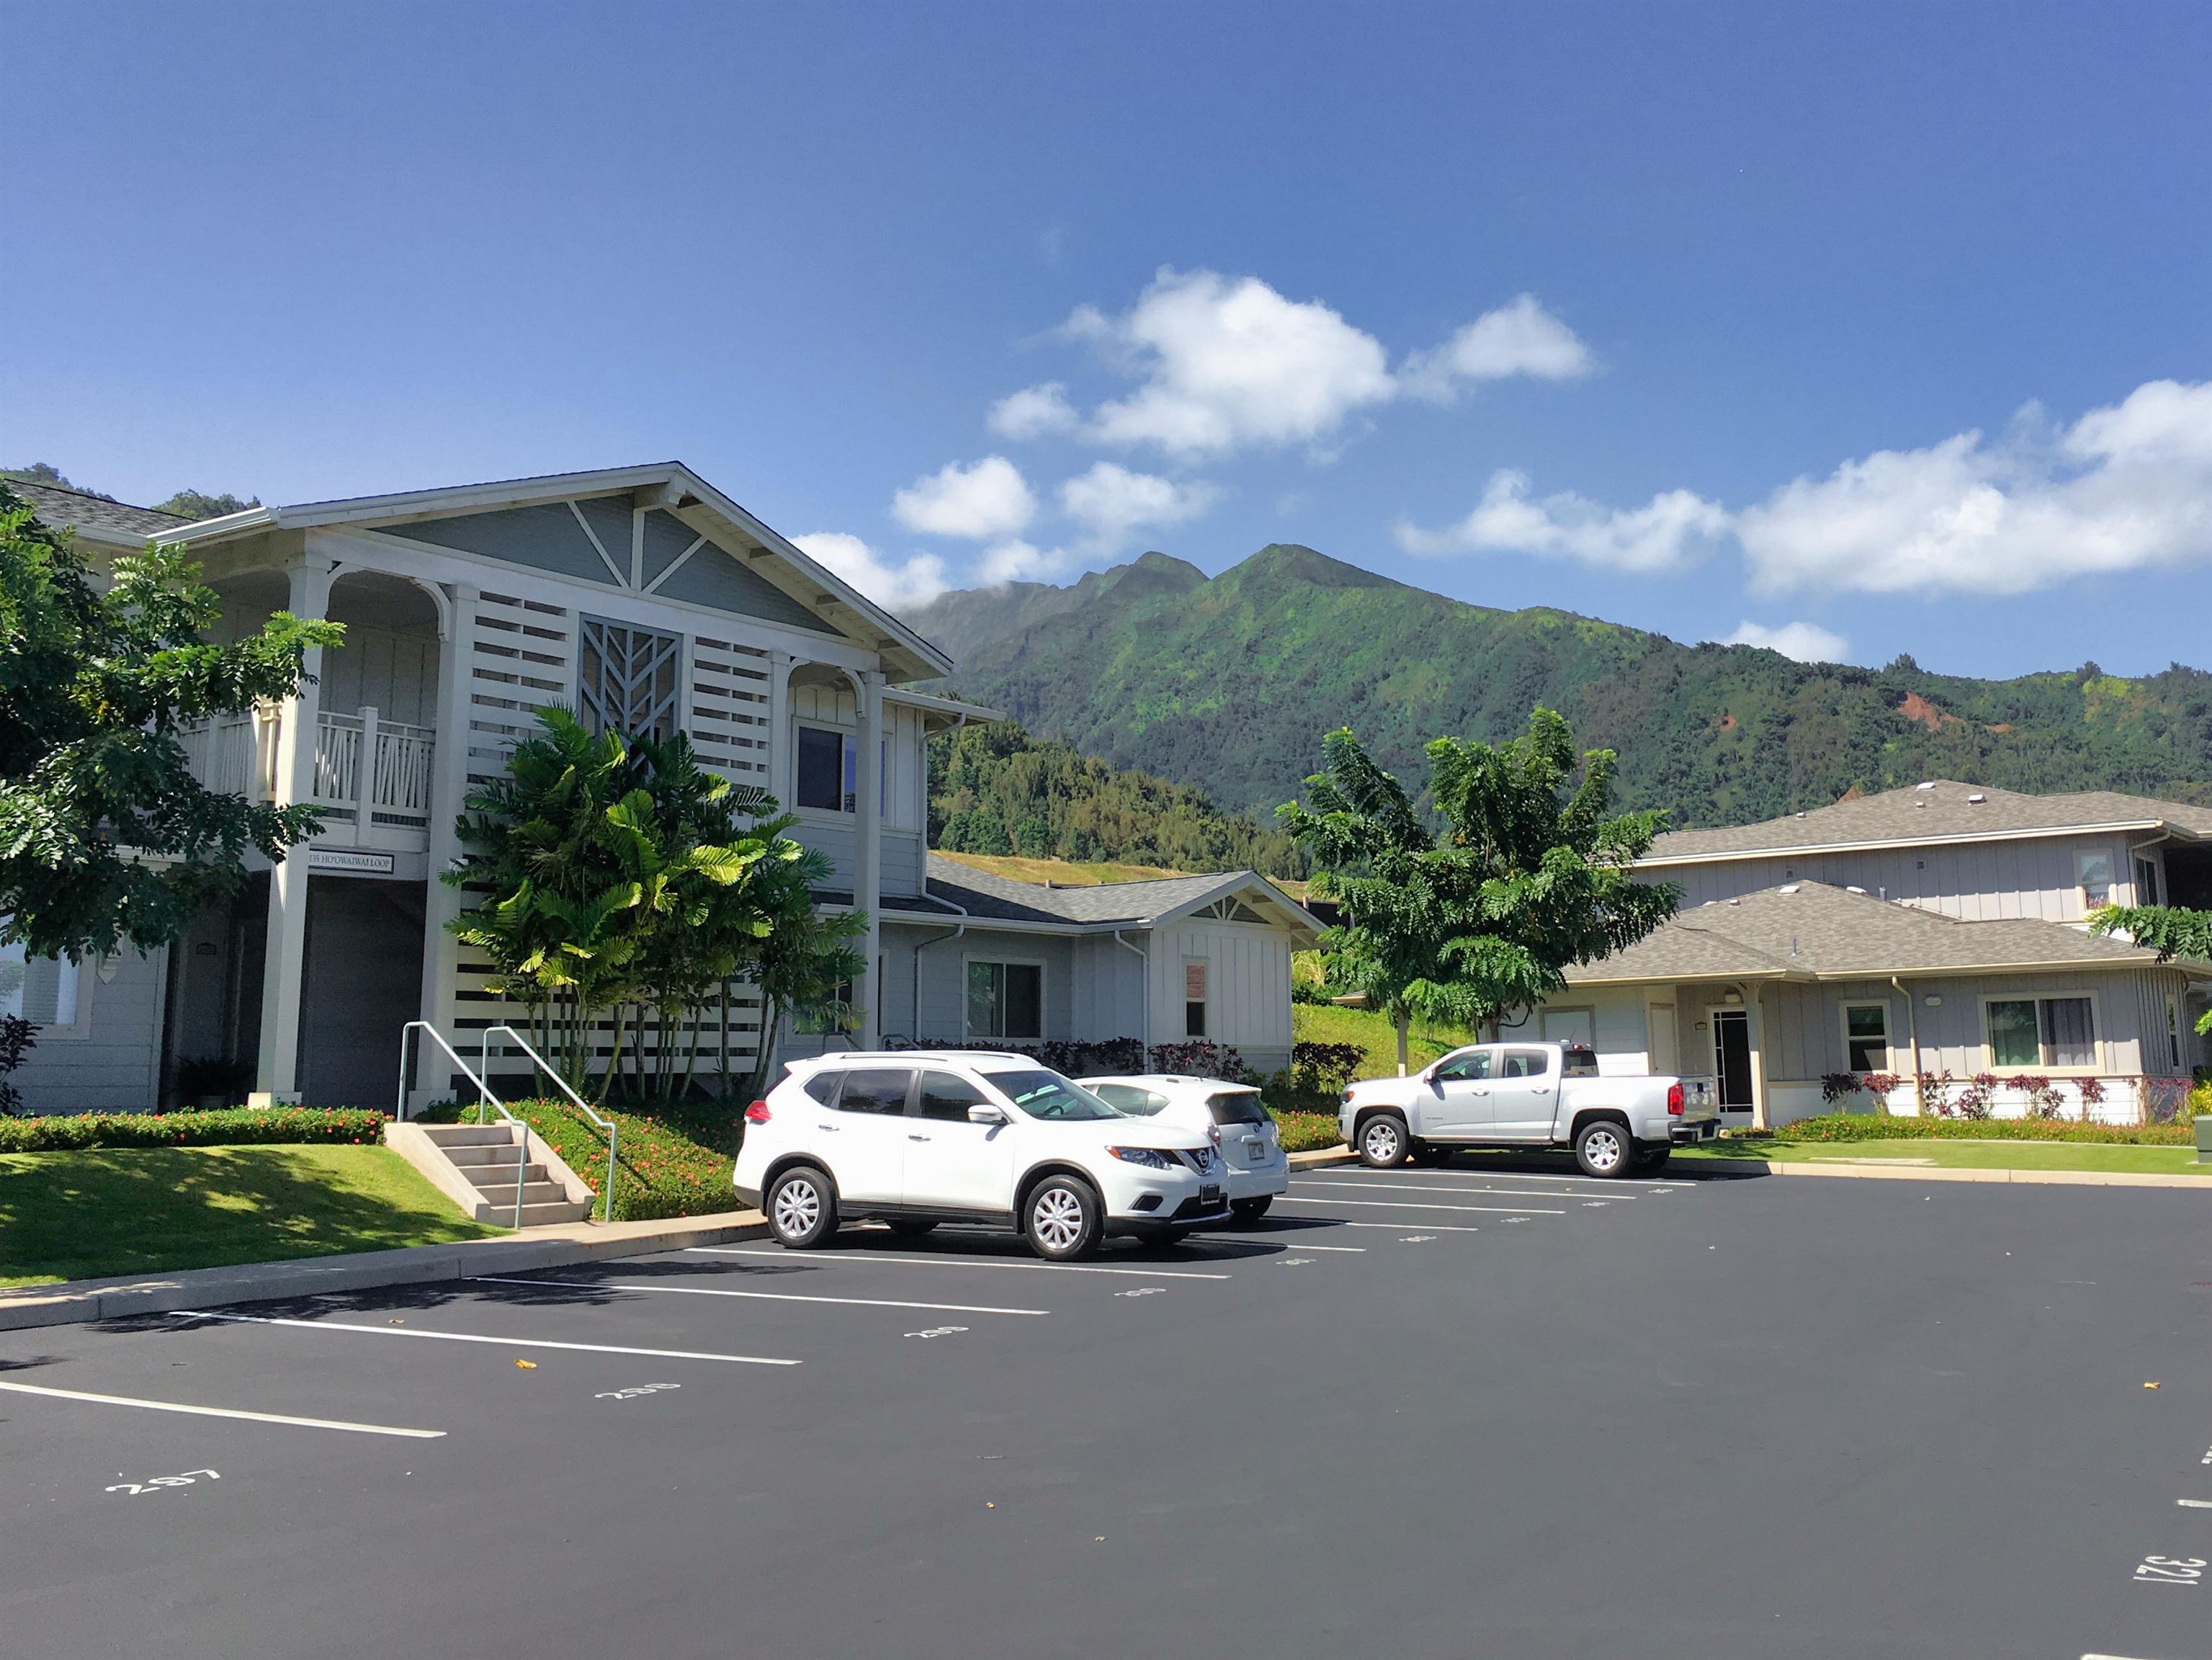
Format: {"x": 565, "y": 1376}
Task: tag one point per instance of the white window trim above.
{"x": 1590, "y": 1009}
{"x": 1990, "y": 1063}
{"x": 87, "y": 977}
{"x": 1888, "y": 1046}
{"x": 1044, "y": 1013}
{"x": 2082, "y": 857}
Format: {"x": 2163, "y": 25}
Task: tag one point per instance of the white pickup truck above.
{"x": 1528, "y": 1095}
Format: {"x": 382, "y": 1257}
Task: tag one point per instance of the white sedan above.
{"x": 1251, "y": 1146}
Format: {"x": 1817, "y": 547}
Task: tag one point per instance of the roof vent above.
{"x": 1978, "y": 797}
{"x": 1929, "y": 785}
{"x": 1800, "y": 815}
{"x": 1854, "y": 889}
{"x": 1792, "y": 888}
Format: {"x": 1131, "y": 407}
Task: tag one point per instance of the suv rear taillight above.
{"x": 1673, "y": 1100}
{"x": 758, "y": 1113}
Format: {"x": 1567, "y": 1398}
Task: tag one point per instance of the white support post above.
{"x": 779, "y": 728}
{"x": 449, "y": 783}
{"x": 867, "y": 864}
{"x": 284, "y": 969}
{"x": 1756, "y": 1002}
{"x": 364, "y": 777}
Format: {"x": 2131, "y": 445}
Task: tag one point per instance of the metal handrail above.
{"x": 484, "y": 1060}
{"x": 484, "y": 1097}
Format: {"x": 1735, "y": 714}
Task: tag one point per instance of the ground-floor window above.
{"x": 43, "y": 990}
{"x": 1005, "y": 1000}
{"x": 1866, "y": 1036}
{"x": 1194, "y": 999}
{"x": 2040, "y": 1032}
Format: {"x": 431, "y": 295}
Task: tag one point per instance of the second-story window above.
{"x": 627, "y": 680}
{"x": 2094, "y": 872}
{"x": 828, "y": 769}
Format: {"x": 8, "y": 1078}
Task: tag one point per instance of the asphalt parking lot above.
{"x": 1486, "y": 1411}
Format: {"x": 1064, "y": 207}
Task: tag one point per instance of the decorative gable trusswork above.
{"x": 1233, "y": 910}
{"x": 627, "y": 680}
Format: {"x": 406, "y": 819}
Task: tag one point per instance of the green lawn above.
{"x": 89, "y": 1214}
{"x": 1320, "y": 1023}
{"x": 1958, "y": 1155}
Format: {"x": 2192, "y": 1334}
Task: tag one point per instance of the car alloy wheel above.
{"x": 1603, "y": 1150}
{"x": 1380, "y": 1142}
{"x": 1057, "y": 1219}
{"x": 798, "y": 1208}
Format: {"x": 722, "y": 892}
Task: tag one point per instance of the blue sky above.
{"x": 1890, "y": 324}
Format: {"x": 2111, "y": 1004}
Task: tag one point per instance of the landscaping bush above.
{"x": 672, "y": 1160}
{"x": 1070, "y": 1060}
{"x": 1307, "y": 1132}
{"x": 1862, "y": 1126}
{"x": 225, "y": 1127}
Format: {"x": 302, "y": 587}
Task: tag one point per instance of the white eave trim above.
{"x": 1806, "y": 850}
{"x": 935, "y": 705}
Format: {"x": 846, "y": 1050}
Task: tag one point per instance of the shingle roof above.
{"x": 1129, "y": 904}
{"x": 94, "y": 517}
{"x": 1811, "y": 931}
{"x": 1939, "y": 810}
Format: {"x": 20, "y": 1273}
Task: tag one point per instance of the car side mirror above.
{"x": 985, "y": 1114}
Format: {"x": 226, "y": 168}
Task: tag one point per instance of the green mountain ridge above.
{"x": 1227, "y": 684}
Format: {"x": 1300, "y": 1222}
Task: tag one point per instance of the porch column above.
{"x": 778, "y": 782}
{"x": 277, "y": 1071}
{"x": 449, "y": 783}
{"x": 1756, "y": 1006}
{"x": 868, "y": 863}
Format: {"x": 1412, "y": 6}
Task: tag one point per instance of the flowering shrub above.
{"x": 2043, "y": 1100}
{"x": 1974, "y": 1099}
{"x": 1201, "y": 1057}
{"x": 1835, "y": 1085}
{"x": 1324, "y": 1068}
{"x": 1936, "y": 1092}
{"x": 2093, "y": 1093}
{"x": 1862, "y": 1126}
{"x": 1880, "y": 1086}
{"x": 1307, "y": 1132}
{"x": 227, "y": 1127}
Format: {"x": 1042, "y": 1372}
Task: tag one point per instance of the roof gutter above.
{"x": 919, "y": 946}
{"x": 1652, "y": 861}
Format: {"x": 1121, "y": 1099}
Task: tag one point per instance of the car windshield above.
{"x": 1046, "y": 1095}
{"x": 1236, "y": 1107}
{"x": 1129, "y": 1098}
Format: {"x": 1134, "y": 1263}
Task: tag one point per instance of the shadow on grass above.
{"x": 149, "y": 1210}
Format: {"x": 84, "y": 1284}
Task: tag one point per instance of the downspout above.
{"x": 1912, "y": 1030}
{"x": 919, "y": 948}
{"x": 1144, "y": 999}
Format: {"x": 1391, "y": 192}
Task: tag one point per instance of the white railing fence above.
{"x": 377, "y": 770}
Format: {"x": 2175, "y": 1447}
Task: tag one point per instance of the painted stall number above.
{"x": 156, "y": 1483}
{"x": 1416, "y": 1238}
{"x": 937, "y": 1331}
{"x": 2170, "y": 1571}
{"x": 634, "y": 1391}
{"x": 1595, "y": 1204}
{"x": 1142, "y": 1290}
{"x": 1294, "y": 1262}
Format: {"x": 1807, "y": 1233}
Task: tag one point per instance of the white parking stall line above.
{"x": 1402, "y": 1204}
{"x": 1348, "y": 1175}
{"x": 756, "y": 1296}
{"x": 476, "y": 1337}
{"x": 223, "y": 1412}
{"x": 2195, "y": 1504}
{"x": 1429, "y": 1227}
{"x": 945, "y": 1261}
{"x": 1596, "y": 1188}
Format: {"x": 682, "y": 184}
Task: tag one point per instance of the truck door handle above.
{"x": 832, "y": 1128}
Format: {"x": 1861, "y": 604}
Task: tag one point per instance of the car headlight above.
{"x": 1150, "y": 1157}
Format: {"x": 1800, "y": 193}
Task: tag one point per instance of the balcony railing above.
{"x": 375, "y": 772}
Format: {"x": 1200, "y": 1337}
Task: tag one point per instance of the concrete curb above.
{"x": 81, "y": 1301}
{"x": 1336, "y": 1155}
{"x": 2061, "y": 1178}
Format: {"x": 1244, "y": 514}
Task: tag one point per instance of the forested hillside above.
{"x": 996, "y": 790}
{"x": 1228, "y": 685}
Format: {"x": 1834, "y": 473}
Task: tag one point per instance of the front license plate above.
{"x": 1209, "y": 1195}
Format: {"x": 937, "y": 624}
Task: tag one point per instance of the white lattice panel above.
{"x": 729, "y": 709}
{"x": 523, "y": 658}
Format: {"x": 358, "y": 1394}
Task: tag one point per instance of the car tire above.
{"x": 1250, "y": 1210}
{"x": 802, "y": 1207}
{"x": 911, "y": 1228}
{"x": 1384, "y": 1143}
{"x": 1160, "y": 1238}
{"x": 1654, "y": 1161}
{"x": 1604, "y": 1149}
{"x": 1063, "y": 1219}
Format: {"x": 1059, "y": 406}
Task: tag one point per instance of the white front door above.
{"x": 1659, "y": 1039}
{"x": 1732, "y": 1057}
{"x": 952, "y": 1163}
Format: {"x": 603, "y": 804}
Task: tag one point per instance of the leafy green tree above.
{"x": 2168, "y": 930}
{"x": 197, "y": 504}
{"x": 106, "y": 837}
{"x": 1476, "y": 921}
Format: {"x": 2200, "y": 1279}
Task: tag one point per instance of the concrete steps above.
{"x": 474, "y": 1165}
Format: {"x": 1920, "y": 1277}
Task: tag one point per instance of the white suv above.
{"x": 920, "y": 1137}
{"x": 1251, "y": 1146}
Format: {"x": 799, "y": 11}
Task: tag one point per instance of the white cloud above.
{"x": 1804, "y": 641}
{"x": 2126, "y": 488}
{"x": 1040, "y": 412}
{"x": 1520, "y": 339}
{"x": 894, "y": 586}
{"x": 1017, "y": 560}
{"x": 1225, "y": 363}
{"x": 987, "y": 500}
{"x": 1230, "y": 362}
{"x": 1665, "y": 534}
{"x": 1112, "y": 501}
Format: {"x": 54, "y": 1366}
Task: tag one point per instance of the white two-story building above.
{"x": 649, "y": 602}
{"x": 1936, "y": 929}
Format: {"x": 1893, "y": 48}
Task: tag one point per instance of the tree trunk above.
{"x": 1405, "y": 1027}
